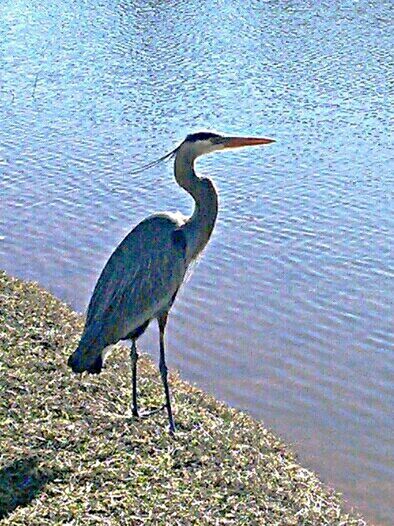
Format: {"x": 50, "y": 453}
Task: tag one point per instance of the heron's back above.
{"x": 139, "y": 280}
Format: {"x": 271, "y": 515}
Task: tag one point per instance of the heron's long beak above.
{"x": 238, "y": 142}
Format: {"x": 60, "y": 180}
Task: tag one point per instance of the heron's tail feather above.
{"x": 88, "y": 355}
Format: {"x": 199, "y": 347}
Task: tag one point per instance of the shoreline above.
{"x": 70, "y": 455}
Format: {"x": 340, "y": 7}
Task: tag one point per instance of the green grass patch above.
{"x": 70, "y": 453}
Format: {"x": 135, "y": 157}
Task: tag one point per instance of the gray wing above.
{"x": 138, "y": 282}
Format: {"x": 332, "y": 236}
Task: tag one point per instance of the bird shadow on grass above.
{"x": 20, "y": 482}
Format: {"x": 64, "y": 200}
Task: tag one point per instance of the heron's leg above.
{"x": 163, "y": 370}
{"x": 134, "y": 359}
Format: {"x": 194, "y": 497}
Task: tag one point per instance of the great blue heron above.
{"x": 141, "y": 279}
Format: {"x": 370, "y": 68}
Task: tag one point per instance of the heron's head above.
{"x": 201, "y": 143}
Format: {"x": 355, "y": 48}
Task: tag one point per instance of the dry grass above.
{"x": 69, "y": 455}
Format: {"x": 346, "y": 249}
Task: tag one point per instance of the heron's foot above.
{"x": 135, "y": 413}
{"x": 153, "y": 411}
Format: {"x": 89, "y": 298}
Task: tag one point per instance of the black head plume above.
{"x": 155, "y": 162}
{"x": 201, "y": 136}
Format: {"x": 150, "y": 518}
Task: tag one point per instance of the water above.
{"x": 289, "y": 313}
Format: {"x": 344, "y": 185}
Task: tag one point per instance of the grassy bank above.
{"x": 70, "y": 455}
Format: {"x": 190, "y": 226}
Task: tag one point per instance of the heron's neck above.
{"x": 199, "y": 227}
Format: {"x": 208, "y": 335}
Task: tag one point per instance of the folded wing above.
{"x": 138, "y": 282}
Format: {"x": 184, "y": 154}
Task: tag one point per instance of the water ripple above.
{"x": 301, "y": 333}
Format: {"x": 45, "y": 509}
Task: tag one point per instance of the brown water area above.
{"x": 289, "y": 313}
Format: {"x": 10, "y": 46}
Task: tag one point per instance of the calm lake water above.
{"x": 289, "y": 314}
